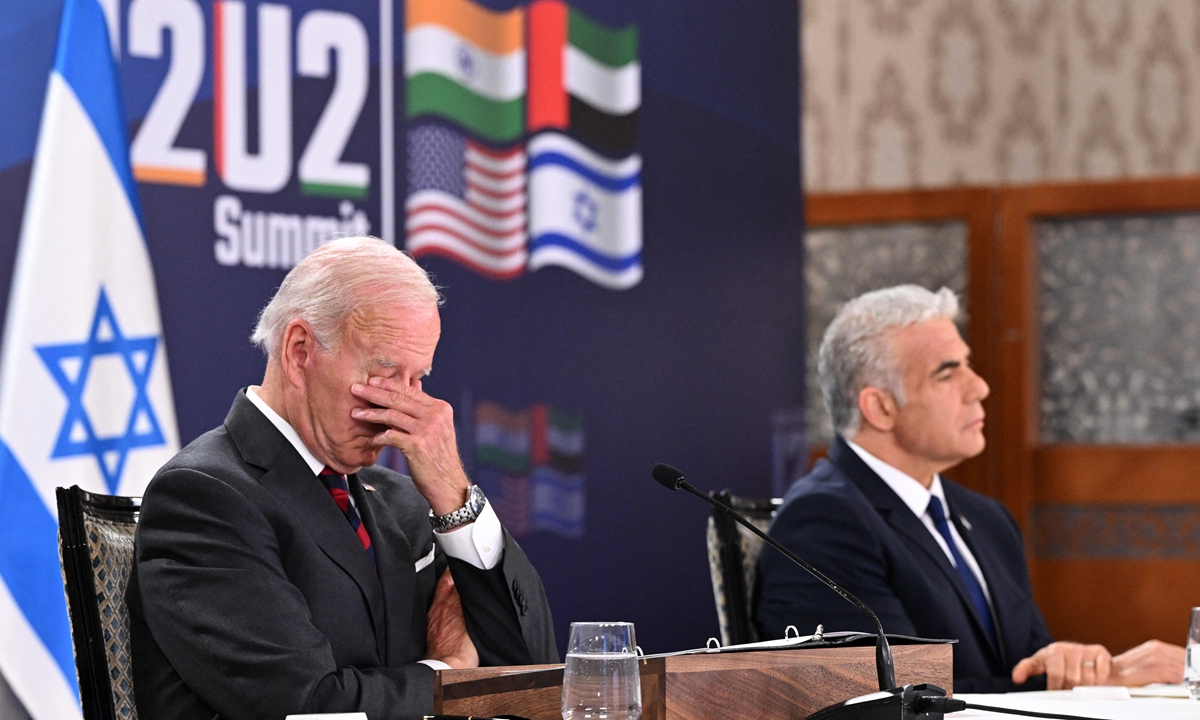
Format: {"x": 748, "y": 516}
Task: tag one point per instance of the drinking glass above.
{"x": 601, "y": 680}
{"x": 1191, "y": 675}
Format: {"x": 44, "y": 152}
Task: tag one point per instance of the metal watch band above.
{"x": 465, "y": 514}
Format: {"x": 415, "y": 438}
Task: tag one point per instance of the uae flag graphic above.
{"x": 466, "y": 64}
{"x": 466, "y": 202}
{"x": 585, "y": 211}
{"x": 583, "y": 76}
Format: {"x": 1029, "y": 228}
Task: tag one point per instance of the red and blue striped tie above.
{"x": 337, "y": 486}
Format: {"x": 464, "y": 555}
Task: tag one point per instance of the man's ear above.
{"x": 878, "y": 408}
{"x": 299, "y": 347}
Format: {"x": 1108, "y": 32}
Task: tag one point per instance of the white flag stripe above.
{"x": 516, "y": 442}
{"x": 436, "y": 49}
{"x": 499, "y": 226}
{"x": 613, "y": 280}
{"x": 495, "y": 186}
{"x": 569, "y": 442}
{"x": 491, "y": 163}
{"x": 81, "y": 233}
{"x": 32, "y": 668}
{"x": 616, "y": 91}
{"x": 445, "y": 219}
{"x": 559, "y": 143}
{"x": 565, "y": 203}
{"x": 513, "y": 203}
{"x": 432, "y": 238}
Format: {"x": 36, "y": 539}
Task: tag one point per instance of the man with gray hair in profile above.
{"x": 930, "y": 557}
{"x": 277, "y": 572}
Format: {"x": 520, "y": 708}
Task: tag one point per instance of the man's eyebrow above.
{"x": 947, "y": 365}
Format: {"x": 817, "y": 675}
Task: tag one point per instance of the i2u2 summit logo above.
{"x": 521, "y": 132}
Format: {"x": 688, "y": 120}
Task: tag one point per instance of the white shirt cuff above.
{"x": 435, "y": 664}
{"x": 480, "y": 543}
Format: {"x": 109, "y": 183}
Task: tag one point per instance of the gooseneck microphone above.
{"x": 672, "y": 479}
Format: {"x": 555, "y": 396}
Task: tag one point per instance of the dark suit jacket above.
{"x": 850, "y": 525}
{"x": 251, "y": 597}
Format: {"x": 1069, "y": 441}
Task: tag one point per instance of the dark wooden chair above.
{"x": 733, "y": 563}
{"x": 95, "y": 547}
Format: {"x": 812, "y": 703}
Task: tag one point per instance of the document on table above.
{"x": 1087, "y": 704}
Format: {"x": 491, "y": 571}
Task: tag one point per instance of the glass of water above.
{"x": 601, "y": 681}
{"x": 1191, "y": 674}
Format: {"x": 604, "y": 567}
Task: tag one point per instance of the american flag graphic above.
{"x": 466, "y": 202}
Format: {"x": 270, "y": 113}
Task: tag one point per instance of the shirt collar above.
{"x": 912, "y": 492}
{"x": 288, "y": 431}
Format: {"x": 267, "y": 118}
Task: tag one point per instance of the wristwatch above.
{"x": 465, "y": 514}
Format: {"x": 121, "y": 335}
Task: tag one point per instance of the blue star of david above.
{"x": 70, "y": 364}
{"x": 585, "y": 211}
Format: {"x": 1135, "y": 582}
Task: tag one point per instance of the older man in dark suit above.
{"x": 931, "y": 557}
{"x": 277, "y": 572}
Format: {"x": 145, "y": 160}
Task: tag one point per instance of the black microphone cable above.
{"x": 928, "y": 703}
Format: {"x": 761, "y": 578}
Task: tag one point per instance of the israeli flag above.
{"x": 85, "y": 396}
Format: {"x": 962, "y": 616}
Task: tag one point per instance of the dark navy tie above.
{"x": 337, "y": 486}
{"x": 974, "y": 589}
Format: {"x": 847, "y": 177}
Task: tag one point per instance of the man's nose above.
{"x": 978, "y": 389}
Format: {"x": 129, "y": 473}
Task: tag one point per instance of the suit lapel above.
{"x": 291, "y": 481}
{"x": 901, "y": 518}
{"x": 397, "y": 568}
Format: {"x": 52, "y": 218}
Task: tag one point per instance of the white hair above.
{"x": 857, "y": 350}
{"x": 335, "y": 280}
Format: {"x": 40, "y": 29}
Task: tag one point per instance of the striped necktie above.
{"x": 337, "y": 486}
{"x": 974, "y": 588}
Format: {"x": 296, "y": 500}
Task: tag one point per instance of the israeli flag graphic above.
{"x": 85, "y": 395}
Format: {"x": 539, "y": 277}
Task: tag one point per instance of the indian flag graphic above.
{"x": 467, "y": 64}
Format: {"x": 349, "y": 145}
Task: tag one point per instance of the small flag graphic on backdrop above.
{"x": 583, "y": 76}
{"x": 85, "y": 396}
{"x": 585, "y": 211}
{"x": 530, "y": 465}
{"x": 467, "y": 64}
{"x": 471, "y": 196}
{"x": 466, "y": 202}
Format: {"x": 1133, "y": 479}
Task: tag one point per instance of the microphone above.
{"x": 672, "y": 479}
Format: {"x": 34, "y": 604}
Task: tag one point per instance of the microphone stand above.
{"x": 911, "y": 702}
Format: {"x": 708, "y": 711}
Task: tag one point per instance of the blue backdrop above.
{"x": 689, "y": 366}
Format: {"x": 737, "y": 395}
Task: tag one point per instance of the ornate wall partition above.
{"x": 1099, "y": 343}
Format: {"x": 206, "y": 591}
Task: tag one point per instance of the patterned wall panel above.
{"x": 1120, "y": 324}
{"x": 1116, "y": 532}
{"x": 842, "y": 263}
{"x": 938, "y": 93}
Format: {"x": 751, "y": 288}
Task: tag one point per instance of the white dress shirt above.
{"x": 916, "y": 497}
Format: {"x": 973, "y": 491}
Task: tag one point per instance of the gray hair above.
{"x": 334, "y": 280}
{"x": 857, "y": 351}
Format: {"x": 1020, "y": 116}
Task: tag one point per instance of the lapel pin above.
{"x": 966, "y": 523}
{"x": 371, "y": 488}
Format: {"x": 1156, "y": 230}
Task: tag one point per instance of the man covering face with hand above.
{"x": 278, "y": 572}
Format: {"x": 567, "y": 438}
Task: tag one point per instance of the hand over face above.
{"x": 421, "y": 427}
{"x": 1065, "y": 665}
{"x": 1154, "y": 661}
{"x": 447, "y": 638}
